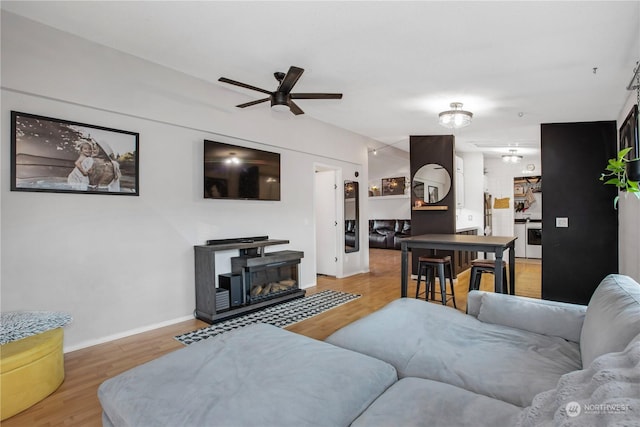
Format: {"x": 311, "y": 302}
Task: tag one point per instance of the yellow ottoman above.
{"x": 30, "y": 369}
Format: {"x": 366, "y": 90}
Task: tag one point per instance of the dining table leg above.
{"x": 497, "y": 272}
{"x": 404, "y": 270}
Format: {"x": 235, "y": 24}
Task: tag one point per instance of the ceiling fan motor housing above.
{"x": 279, "y": 98}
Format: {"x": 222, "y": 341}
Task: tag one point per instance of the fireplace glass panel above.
{"x": 271, "y": 281}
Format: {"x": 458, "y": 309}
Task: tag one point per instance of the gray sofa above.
{"x": 510, "y": 361}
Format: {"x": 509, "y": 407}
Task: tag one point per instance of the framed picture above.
{"x": 54, "y": 155}
{"x": 433, "y": 194}
{"x": 392, "y": 186}
{"x": 629, "y": 133}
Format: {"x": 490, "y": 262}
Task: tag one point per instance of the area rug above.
{"x": 280, "y": 315}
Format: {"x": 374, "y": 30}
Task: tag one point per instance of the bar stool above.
{"x": 427, "y": 266}
{"x": 479, "y": 266}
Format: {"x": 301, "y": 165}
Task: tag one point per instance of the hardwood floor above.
{"x": 76, "y": 403}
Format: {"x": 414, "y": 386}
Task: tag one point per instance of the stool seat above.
{"x": 439, "y": 260}
{"x": 479, "y": 266}
{"x": 486, "y": 263}
{"x": 427, "y": 266}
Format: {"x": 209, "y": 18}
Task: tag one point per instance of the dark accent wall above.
{"x": 575, "y": 259}
{"x": 424, "y": 150}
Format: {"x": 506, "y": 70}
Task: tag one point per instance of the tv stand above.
{"x": 252, "y": 257}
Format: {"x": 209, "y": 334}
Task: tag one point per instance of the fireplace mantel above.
{"x": 251, "y": 255}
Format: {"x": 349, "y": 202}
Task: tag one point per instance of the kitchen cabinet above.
{"x": 462, "y": 259}
{"x": 459, "y": 182}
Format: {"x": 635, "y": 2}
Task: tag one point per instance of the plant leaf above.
{"x": 622, "y": 153}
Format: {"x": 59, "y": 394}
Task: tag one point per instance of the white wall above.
{"x": 472, "y": 214}
{"x": 389, "y": 162}
{"x": 628, "y": 218}
{"x": 390, "y": 207}
{"x": 121, "y": 265}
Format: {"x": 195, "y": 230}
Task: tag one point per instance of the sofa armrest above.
{"x": 544, "y": 317}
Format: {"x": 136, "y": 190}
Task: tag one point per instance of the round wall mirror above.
{"x": 431, "y": 183}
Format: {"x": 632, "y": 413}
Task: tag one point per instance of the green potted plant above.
{"x": 617, "y": 175}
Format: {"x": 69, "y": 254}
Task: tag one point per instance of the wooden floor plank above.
{"x": 76, "y": 403}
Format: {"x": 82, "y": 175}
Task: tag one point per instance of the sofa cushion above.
{"x": 377, "y": 240}
{"x": 384, "y": 226}
{"x": 257, "y": 375}
{"x": 612, "y": 319}
{"x": 542, "y": 317}
{"x": 403, "y": 226}
{"x": 419, "y": 402}
{"x": 431, "y": 341}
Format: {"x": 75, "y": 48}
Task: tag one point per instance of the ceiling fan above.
{"x": 282, "y": 97}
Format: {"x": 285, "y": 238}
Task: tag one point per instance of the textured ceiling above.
{"x": 513, "y": 64}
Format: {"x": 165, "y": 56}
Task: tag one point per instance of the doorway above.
{"x": 326, "y": 212}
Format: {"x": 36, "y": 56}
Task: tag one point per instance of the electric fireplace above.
{"x": 270, "y": 276}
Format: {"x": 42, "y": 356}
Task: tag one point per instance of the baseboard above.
{"x": 125, "y": 334}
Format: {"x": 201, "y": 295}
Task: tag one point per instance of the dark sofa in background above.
{"x": 386, "y": 233}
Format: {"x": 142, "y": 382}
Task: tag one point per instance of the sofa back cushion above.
{"x": 612, "y": 319}
{"x": 384, "y": 226}
{"x": 403, "y": 226}
{"x": 539, "y": 316}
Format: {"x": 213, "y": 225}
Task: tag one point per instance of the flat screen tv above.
{"x": 241, "y": 173}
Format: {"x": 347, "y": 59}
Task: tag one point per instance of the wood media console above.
{"x": 258, "y": 279}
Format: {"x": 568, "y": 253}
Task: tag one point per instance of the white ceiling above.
{"x": 514, "y": 64}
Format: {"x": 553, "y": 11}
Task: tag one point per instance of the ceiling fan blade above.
{"x": 244, "y": 85}
{"x": 295, "y": 109}
{"x": 290, "y": 79}
{"x": 316, "y": 96}
{"x": 249, "y": 104}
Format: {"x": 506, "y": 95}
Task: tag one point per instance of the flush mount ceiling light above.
{"x": 512, "y": 157}
{"x": 456, "y": 118}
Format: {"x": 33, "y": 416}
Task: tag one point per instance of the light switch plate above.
{"x": 562, "y": 222}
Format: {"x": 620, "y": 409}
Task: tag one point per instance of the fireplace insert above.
{"x": 269, "y": 276}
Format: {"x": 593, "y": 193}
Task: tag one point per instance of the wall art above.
{"x": 629, "y": 133}
{"x": 61, "y": 156}
{"x": 393, "y": 186}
